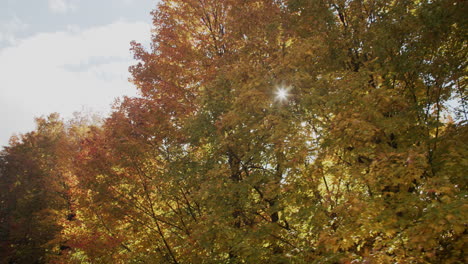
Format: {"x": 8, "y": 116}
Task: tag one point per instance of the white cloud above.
{"x": 64, "y": 71}
{"x": 9, "y": 29}
{"x": 60, "y": 6}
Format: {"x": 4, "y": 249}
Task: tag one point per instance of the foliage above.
{"x": 362, "y": 161}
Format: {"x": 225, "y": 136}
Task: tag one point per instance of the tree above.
{"x": 273, "y": 131}
{"x": 36, "y": 193}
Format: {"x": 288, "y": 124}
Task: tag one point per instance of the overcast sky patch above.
{"x": 60, "y": 6}
{"x": 69, "y": 66}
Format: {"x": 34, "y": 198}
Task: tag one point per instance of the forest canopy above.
{"x": 265, "y": 131}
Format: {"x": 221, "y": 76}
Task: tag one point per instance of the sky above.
{"x": 66, "y": 56}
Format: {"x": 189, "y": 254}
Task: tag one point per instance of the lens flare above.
{"x": 282, "y": 93}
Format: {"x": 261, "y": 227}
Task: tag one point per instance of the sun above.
{"x": 282, "y": 93}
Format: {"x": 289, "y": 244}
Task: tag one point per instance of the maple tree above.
{"x": 36, "y": 182}
{"x": 267, "y": 131}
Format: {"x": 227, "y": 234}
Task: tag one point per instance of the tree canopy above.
{"x": 266, "y": 131}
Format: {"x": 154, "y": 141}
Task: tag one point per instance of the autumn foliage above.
{"x": 362, "y": 159}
